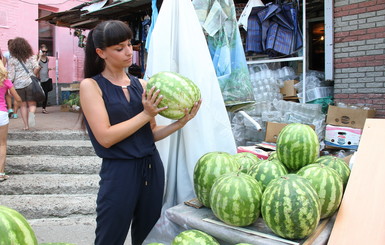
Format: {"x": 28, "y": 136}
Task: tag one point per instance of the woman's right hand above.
{"x": 151, "y": 101}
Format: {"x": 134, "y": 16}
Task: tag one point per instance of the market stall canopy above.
{"x": 89, "y": 14}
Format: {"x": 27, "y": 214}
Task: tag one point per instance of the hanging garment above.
{"x": 274, "y": 29}
{"x": 218, "y": 20}
{"x": 242, "y": 22}
{"x": 178, "y": 44}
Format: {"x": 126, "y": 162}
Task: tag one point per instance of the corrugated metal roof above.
{"x": 86, "y": 18}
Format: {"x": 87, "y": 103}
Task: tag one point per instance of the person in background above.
{"x": 120, "y": 119}
{"x": 2, "y": 58}
{"x": 11, "y": 112}
{"x": 21, "y": 52}
{"x": 5, "y": 85}
{"x": 46, "y": 82}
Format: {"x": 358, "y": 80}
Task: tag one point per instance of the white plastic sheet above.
{"x": 243, "y": 19}
{"x": 178, "y": 44}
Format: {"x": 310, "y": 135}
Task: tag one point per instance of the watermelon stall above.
{"x": 291, "y": 198}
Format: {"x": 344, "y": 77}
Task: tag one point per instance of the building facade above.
{"x": 359, "y": 53}
{"x": 18, "y": 19}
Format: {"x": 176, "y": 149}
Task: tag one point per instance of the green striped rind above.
{"x": 246, "y": 160}
{"x": 272, "y": 156}
{"x": 14, "y": 228}
{"x": 207, "y": 169}
{"x": 178, "y": 92}
{"x": 267, "y": 170}
{"x": 297, "y": 146}
{"x": 338, "y": 165}
{"x": 328, "y": 185}
{"x": 155, "y": 243}
{"x": 194, "y": 237}
{"x": 243, "y": 244}
{"x": 235, "y": 199}
{"x": 291, "y": 207}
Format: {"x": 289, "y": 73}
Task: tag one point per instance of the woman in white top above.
{"x": 21, "y": 51}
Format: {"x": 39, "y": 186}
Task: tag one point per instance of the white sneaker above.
{"x": 31, "y": 119}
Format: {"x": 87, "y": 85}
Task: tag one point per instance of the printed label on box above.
{"x": 342, "y": 137}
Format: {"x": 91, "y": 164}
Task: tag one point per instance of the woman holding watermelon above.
{"x": 120, "y": 119}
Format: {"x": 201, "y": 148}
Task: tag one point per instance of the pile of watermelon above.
{"x": 15, "y": 229}
{"x": 293, "y": 189}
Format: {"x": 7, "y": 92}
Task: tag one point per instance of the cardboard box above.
{"x": 288, "y": 89}
{"x": 273, "y": 129}
{"x": 342, "y": 137}
{"x": 348, "y": 117}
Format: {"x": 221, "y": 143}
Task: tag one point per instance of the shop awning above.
{"x": 89, "y": 14}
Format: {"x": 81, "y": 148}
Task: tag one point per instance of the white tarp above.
{"x": 178, "y": 44}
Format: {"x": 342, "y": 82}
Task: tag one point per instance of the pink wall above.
{"x": 17, "y": 19}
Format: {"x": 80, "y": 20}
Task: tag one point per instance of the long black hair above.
{"x": 105, "y": 34}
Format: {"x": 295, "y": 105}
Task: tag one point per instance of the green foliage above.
{"x": 74, "y": 99}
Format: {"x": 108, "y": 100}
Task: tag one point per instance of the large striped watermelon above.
{"x": 178, "y": 93}
{"x": 207, "y": 169}
{"x": 328, "y": 185}
{"x": 267, "y": 170}
{"x": 338, "y": 165}
{"x": 246, "y": 160}
{"x": 291, "y": 207}
{"x": 235, "y": 199}
{"x": 297, "y": 146}
{"x": 194, "y": 237}
{"x": 14, "y": 228}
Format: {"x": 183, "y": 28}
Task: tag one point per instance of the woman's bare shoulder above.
{"x": 87, "y": 82}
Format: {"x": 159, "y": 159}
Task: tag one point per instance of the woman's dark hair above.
{"x": 20, "y": 49}
{"x": 105, "y": 34}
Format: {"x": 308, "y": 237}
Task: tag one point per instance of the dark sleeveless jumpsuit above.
{"x": 132, "y": 174}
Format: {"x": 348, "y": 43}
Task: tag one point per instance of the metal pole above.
{"x": 57, "y": 78}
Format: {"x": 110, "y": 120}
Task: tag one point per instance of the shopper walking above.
{"x": 21, "y": 53}
{"x": 8, "y": 97}
{"x": 5, "y": 85}
{"x": 46, "y": 81}
{"x": 122, "y": 128}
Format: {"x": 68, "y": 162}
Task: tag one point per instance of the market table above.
{"x": 259, "y": 234}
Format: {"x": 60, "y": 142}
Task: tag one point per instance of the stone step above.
{"x": 51, "y": 206}
{"x": 50, "y": 184}
{"x": 37, "y": 135}
{"x": 50, "y": 147}
{"x": 79, "y": 230}
{"x": 17, "y": 164}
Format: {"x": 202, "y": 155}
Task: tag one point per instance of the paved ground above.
{"x": 54, "y": 120}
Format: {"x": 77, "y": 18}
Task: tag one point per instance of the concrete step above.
{"x": 79, "y": 230}
{"x": 51, "y": 206}
{"x": 50, "y": 147}
{"x": 37, "y": 135}
{"x": 18, "y": 164}
{"x": 50, "y": 184}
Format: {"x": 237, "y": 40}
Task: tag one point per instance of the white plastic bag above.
{"x": 178, "y": 44}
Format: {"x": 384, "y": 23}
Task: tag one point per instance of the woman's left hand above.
{"x": 190, "y": 115}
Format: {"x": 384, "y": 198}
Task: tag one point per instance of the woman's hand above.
{"x": 188, "y": 116}
{"x": 151, "y": 101}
